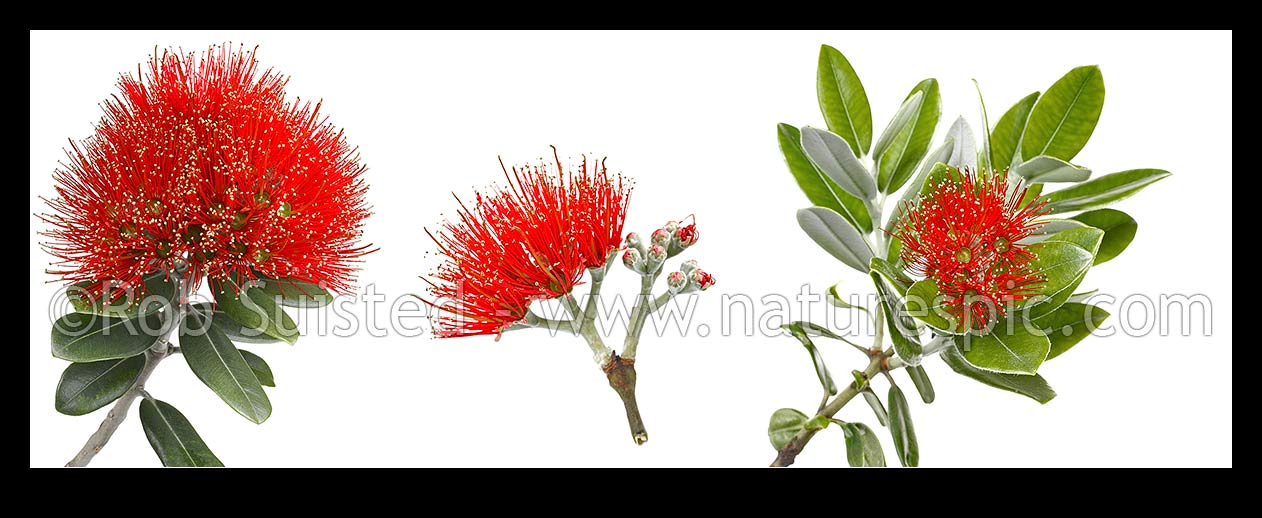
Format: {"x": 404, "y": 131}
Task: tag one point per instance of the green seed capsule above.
{"x": 1001, "y": 244}
{"x": 237, "y": 247}
{"x": 127, "y": 231}
{"x": 261, "y": 255}
{"x": 163, "y": 249}
{"x": 284, "y": 210}
{"x": 963, "y": 255}
{"x": 262, "y": 199}
{"x": 240, "y": 219}
{"x": 155, "y": 207}
{"x": 192, "y": 234}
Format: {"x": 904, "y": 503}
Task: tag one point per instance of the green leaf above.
{"x": 173, "y": 437}
{"x": 819, "y": 189}
{"x": 1082, "y": 297}
{"x": 821, "y": 370}
{"x": 863, "y": 449}
{"x": 925, "y": 304}
{"x": 122, "y": 299}
{"x": 1052, "y": 226}
{"x": 983, "y": 158}
{"x": 894, "y": 274}
{"x": 836, "y": 236}
{"x": 259, "y": 367}
{"x": 913, "y": 191}
{"x": 295, "y": 293}
{"x": 834, "y": 157}
{"x": 902, "y": 328}
{"x": 1033, "y": 387}
{"x": 1089, "y": 238}
{"x": 237, "y": 332}
{"x": 964, "y": 152}
{"x": 221, "y": 367}
{"x": 834, "y": 297}
{"x": 1069, "y": 324}
{"x": 843, "y": 101}
{"x": 1063, "y": 119}
{"x": 785, "y": 423}
{"x": 1103, "y": 190}
{"x": 1064, "y": 264}
{"x": 1019, "y": 350}
{"x": 909, "y": 142}
{"x": 817, "y": 423}
{"x": 1005, "y": 139}
{"x": 920, "y": 378}
{"x": 84, "y": 337}
{"x": 940, "y": 172}
{"x": 1119, "y": 229}
{"x": 902, "y": 430}
{"x": 874, "y": 401}
{"x": 1048, "y": 169}
{"x": 256, "y": 311}
{"x": 1032, "y": 193}
{"x": 85, "y": 387}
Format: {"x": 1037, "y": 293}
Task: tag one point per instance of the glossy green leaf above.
{"x": 983, "y": 157}
{"x": 863, "y": 449}
{"x": 924, "y": 303}
{"x": 894, "y": 274}
{"x": 821, "y": 370}
{"x": 1082, "y": 297}
{"x": 1018, "y": 348}
{"x": 920, "y": 378}
{"x": 1005, "y": 139}
{"x": 902, "y": 430}
{"x": 908, "y": 143}
{"x": 84, "y": 337}
{"x": 1050, "y": 226}
{"x": 819, "y": 189}
{"x": 902, "y": 329}
{"x": 843, "y": 101}
{"x": 940, "y": 172}
{"x": 835, "y": 298}
{"x": 256, "y": 311}
{"x": 1089, "y": 238}
{"x": 259, "y": 367}
{"x": 122, "y": 299}
{"x": 1103, "y": 190}
{"x": 835, "y": 236}
{"x": 785, "y": 423}
{"x": 1033, "y": 387}
{"x": 1119, "y": 229}
{"x": 904, "y": 120}
{"x": 1032, "y": 192}
{"x": 914, "y": 189}
{"x": 295, "y": 293}
{"x": 1064, "y": 265}
{"x": 874, "y": 401}
{"x": 1047, "y": 169}
{"x": 1069, "y": 324}
{"x": 1062, "y": 120}
{"x": 173, "y": 437}
{"x": 834, "y": 157}
{"x": 964, "y": 152}
{"x": 221, "y": 367}
{"x": 85, "y": 387}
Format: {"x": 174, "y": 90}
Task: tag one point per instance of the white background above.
{"x": 691, "y": 116}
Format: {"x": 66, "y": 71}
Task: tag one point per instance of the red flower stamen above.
{"x": 966, "y": 235}
{"x": 529, "y": 240}
{"x": 203, "y": 164}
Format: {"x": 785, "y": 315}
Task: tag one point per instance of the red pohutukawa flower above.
{"x": 966, "y": 235}
{"x": 202, "y": 162}
{"x": 531, "y": 239}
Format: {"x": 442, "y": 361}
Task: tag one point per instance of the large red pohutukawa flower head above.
{"x": 965, "y": 235}
{"x": 528, "y": 240}
{"x": 202, "y": 164}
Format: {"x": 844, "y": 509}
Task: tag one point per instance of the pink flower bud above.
{"x": 702, "y": 279}
{"x": 676, "y": 281}
{"x": 671, "y": 226}
{"x": 661, "y": 237}
{"x": 633, "y": 240}
{"x": 632, "y": 259}
{"x": 657, "y": 253}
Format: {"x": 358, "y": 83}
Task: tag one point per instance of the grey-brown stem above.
{"x": 621, "y": 374}
{"x": 788, "y": 454}
{"x": 118, "y": 413}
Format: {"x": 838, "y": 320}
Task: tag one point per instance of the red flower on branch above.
{"x": 202, "y": 163}
{"x": 531, "y": 239}
{"x": 965, "y": 235}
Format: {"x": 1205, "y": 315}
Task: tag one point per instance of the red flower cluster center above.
{"x": 531, "y": 239}
{"x": 966, "y": 235}
{"x": 202, "y": 165}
